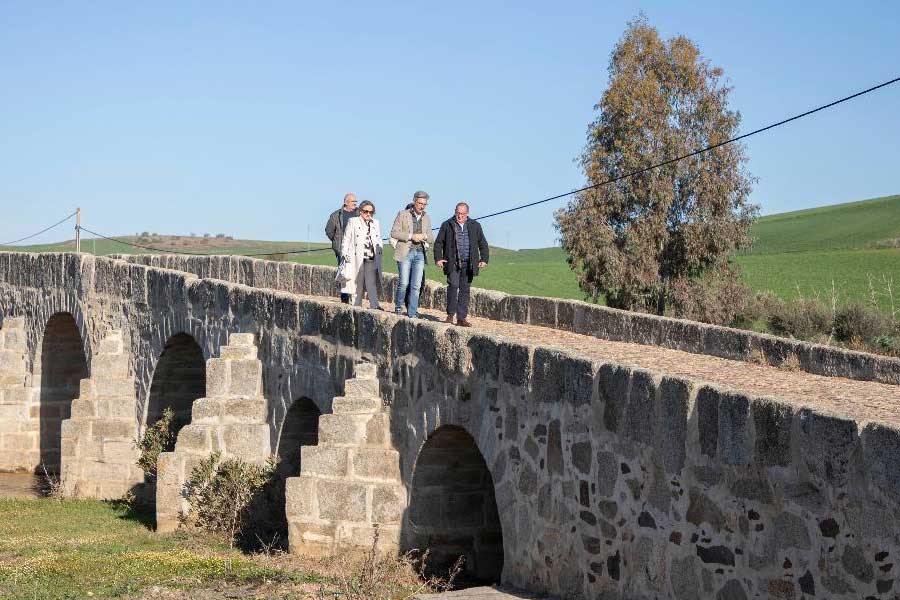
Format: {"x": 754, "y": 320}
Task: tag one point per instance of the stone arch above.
{"x": 453, "y": 509}
{"x": 300, "y": 427}
{"x": 178, "y": 379}
{"x": 63, "y": 365}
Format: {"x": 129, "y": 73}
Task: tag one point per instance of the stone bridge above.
{"x": 559, "y": 446}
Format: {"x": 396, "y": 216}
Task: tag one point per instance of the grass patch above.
{"x": 76, "y": 548}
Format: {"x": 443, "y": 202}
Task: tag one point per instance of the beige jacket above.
{"x": 402, "y": 232}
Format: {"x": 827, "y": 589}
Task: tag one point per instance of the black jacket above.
{"x": 445, "y": 245}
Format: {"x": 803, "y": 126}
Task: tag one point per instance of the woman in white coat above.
{"x": 362, "y": 249}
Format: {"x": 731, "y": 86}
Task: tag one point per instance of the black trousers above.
{"x": 459, "y": 282}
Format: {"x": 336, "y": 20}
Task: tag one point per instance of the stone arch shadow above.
{"x": 178, "y": 379}
{"x": 61, "y": 364}
{"x": 452, "y": 509}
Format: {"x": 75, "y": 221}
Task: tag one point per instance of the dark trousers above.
{"x": 459, "y": 282}
{"x": 345, "y": 298}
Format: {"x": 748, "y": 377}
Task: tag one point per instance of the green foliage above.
{"x": 803, "y": 319}
{"x": 648, "y": 242}
{"x": 220, "y": 492}
{"x": 159, "y": 437}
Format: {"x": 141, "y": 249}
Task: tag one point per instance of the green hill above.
{"x": 838, "y": 227}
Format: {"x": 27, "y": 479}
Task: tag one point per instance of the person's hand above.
{"x": 482, "y": 264}
{"x": 418, "y": 237}
{"x": 441, "y": 263}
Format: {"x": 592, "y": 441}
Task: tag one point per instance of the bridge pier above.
{"x": 231, "y": 420}
{"x": 19, "y": 410}
{"x": 99, "y": 455}
{"x": 350, "y": 482}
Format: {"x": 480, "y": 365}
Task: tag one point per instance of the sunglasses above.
{"x": 367, "y": 212}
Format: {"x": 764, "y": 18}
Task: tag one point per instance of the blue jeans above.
{"x": 411, "y": 269}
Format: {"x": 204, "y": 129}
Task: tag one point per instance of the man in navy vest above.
{"x": 461, "y": 250}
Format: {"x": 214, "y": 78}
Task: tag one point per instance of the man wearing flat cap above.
{"x": 412, "y": 230}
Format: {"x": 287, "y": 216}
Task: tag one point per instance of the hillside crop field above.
{"x": 846, "y": 248}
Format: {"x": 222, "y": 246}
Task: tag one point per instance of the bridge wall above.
{"x": 569, "y": 315}
{"x": 610, "y": 482}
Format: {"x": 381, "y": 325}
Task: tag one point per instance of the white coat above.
{"x": 353, "y": 250}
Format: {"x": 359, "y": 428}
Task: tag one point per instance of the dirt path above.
{"x": 18, "y": 485}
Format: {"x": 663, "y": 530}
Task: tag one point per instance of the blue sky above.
{"x": 253, "y": 119}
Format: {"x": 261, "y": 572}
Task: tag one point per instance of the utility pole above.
{"x": 78, "y": 229}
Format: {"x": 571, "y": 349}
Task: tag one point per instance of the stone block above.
{"x": 218, "y": 377}
{"x": 772, "y": 421}
{"x": 640, "y": 412}
{"x": 76, "y": 429}
{"x": 484, "y": 303}
{"x": 602, "y": 322}
{"x": 286, "y": 312}
{"x": 311, "y": 539}
{"x": 827, "y": 445}
{"x": 120, "y": 387}
{"x": 341, "y": 501}
{"x": 11, "y": 362}
{"x": 362, "y": 388}
{"x": 734, "y": 434}
{"x": 83, "y": 409}
{"x": 110, "y": 365}
{"x": 614, "y": 383}
{"x": 247, "y": 441}
{"x": 241, "y": 339}
{"x": 343, "y": 405}
{"x": 323, "y": 460}
{"x": 109, "y": 428}
{"x": 707, "y": 407}
{"x": 365, "y": 370}
{"x": 542, "y": 311}
{"x": 388, "y": 504}
{"x": 115, "y": 408}
{"x": 238, "y": 352}
{"x": 19, "y": 441}
{"x": 300, "y": 496}
{"x": 515, "y": 309}
{"x": 674, "y": 403}
{"x": 725, "y": 342}
{"x": 207, "y": 410}
{"x": 244, "y": 410}
{"x": 515, "y": 363}
{"x": 376, "y": 463}
{"x": 378, "y": 430}
{"x": 246, "y": 378}
{"x": 193, "y": 438}
{"x": 111, "y": 344}
{"x": 881, "y": 452}
{"x": 343, "y": 429}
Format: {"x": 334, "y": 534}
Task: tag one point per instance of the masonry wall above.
{"x": 569, "y": 315}
{"x": 610, "y": 482}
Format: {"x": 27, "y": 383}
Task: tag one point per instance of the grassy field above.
{"x": 806, "y": 252}
{"x": 67, "y": 549}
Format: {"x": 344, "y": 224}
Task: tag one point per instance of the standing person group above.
{"x": 460, "y": 249}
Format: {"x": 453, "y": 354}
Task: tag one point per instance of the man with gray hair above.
{"x": 461, "y": 250}
{"x": 335, "y": 227}
{"x": 412, "y": 230}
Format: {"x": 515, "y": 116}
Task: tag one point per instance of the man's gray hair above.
{"x": 458, "y": 204}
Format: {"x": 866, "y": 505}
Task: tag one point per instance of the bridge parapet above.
{"x": 568, "y": 315}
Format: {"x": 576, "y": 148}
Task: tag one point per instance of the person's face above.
{"x": 367, "y": 212}
{"x": 462, "y": 213}
{"x": 350, "y": 203}
{"x": 419, "y": 205}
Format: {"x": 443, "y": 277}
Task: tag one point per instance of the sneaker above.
{"x": 464, "y": 323}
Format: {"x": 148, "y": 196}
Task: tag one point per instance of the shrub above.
{"x": 220, "y": 492}
{"x": 802, "y": 318}
{"x": 856, "y": 321}
{"x": 158, "y": 438}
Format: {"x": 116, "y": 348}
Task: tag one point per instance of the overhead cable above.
{"x": 45, "y": 229}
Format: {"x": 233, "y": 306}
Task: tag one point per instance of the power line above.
{"x": 695, "y": 152}
{"x": 45, "y": 229}
{"x": 530, "y": 204}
